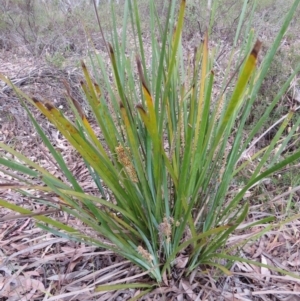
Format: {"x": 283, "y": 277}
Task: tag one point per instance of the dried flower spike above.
{"x": 145, "y": 254}
{"x": 126, "y": 162}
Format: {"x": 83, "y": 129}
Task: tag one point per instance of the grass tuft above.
{"x": 171, "y": 146}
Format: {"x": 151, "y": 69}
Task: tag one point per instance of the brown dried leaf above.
{"x": 69, "y": 276}
{"x": 165, "y": 278}
{"x": 21, "y": 286}
{"x": 295, "y": 263}
{"x": 188, "y": 290}
{"x": 181, "y": 261}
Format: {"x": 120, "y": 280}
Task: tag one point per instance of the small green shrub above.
{"x": 57, "y": 59}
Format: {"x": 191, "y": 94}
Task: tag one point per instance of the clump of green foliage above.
{"x": 166, "y": 159}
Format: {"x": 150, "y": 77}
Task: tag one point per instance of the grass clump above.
{"x": 172, "y": 147}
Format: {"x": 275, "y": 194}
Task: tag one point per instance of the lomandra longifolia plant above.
{"x": 170, "y": 147}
